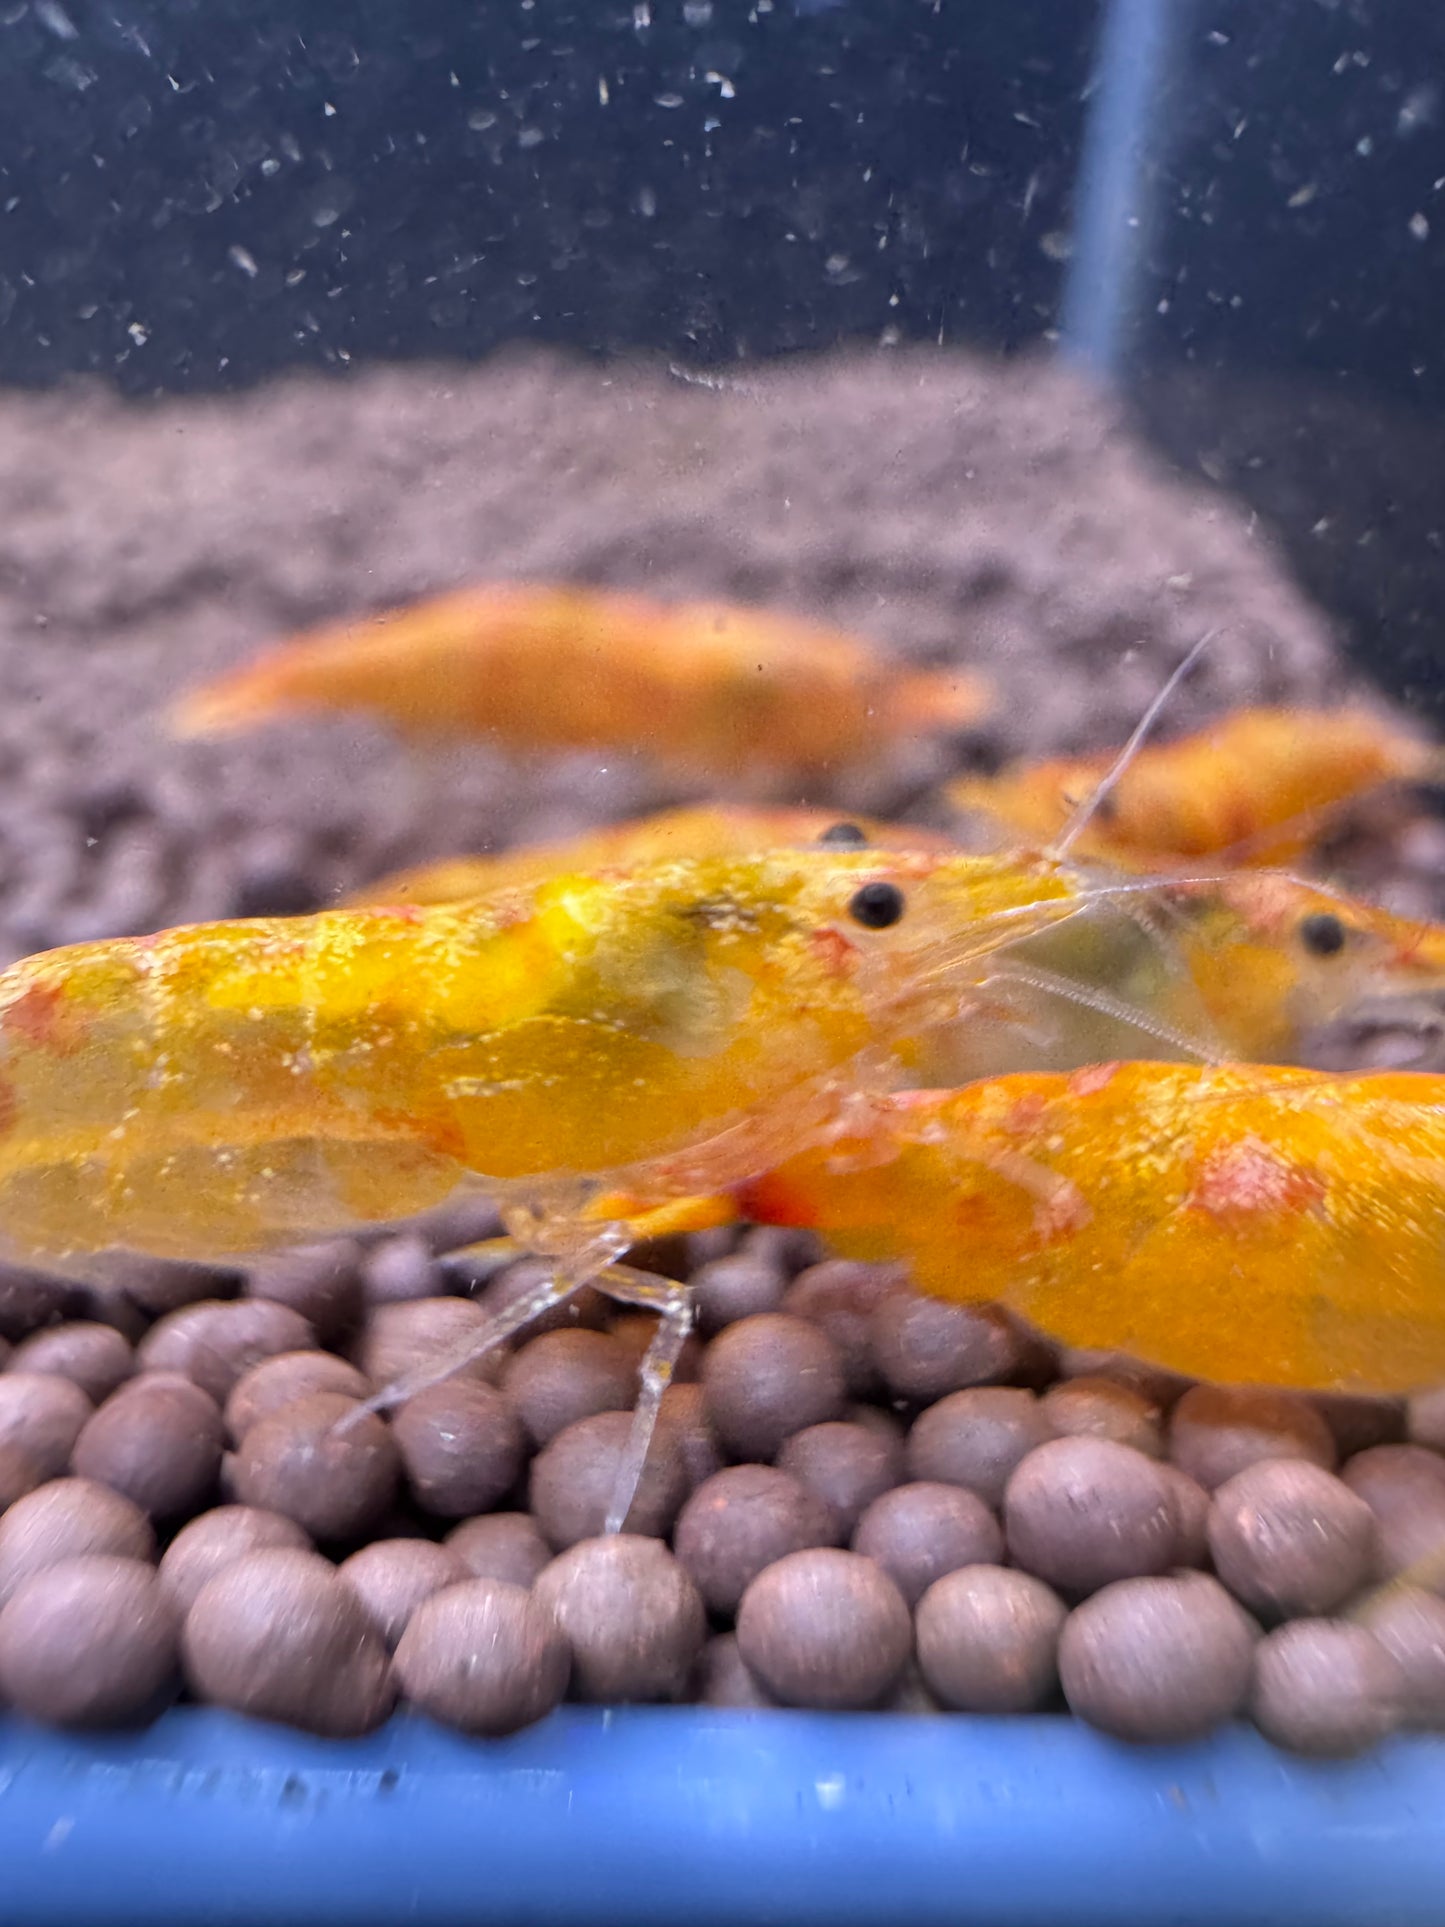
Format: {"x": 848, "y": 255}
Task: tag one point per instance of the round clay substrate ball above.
{"x": 281, "y": 1636}
{"x": 569, "y": 1375}
{"x": 89, "y": 1642}
{"x": 840, "y": 1297}
{"x": 43, "y": 1415}
{"x": 462, "y": 1447}
{"x": 1410, "y": 1624}
{"x": 402, "y": 1338}
{"x": 988, "y": 1640}
{"x": 1218, "y": 1430}
{"x": 333, "y": 1480}
{"x": 573, "y": 1479}
{"x": 69, "y": 1519}
{"x": 977, "y": 1439}
{"x": 1326, "y": 1686}
{"x": 1157, "y": 1659}
{"x": 217, "y": 1342}
{"x": 825, "y": 1629}
{"x": 501, "y": 1545}
{"x": 217, "y": 1539}
{"x": 633, "y": 1618}
{"x": 391, "y": 1578}
{"x": 322, "y": 1282}
{"x": 1289, "y": 1539}
{"x": 926, "y": 1348}
{"x": 1100, "y": 1408}
{"x": 741, "y": 1520}
{"x": 96, "y": 1357}
{"x": 767, "y": 1377}
{"x": 158, "y": 1443}
{"x": 1404, "y": 1486}
{"x": 1081, "y": 1512}
{"x": 919, "y": 1532}
{"x": 282, "y": 1380}
{"x": 847, "y": 1466}
{"x": 483, "y": 1656}
{"x": 735, "y": 1287}
{"x": 19, "y": 1474}
{"x": 724, "y": 1679}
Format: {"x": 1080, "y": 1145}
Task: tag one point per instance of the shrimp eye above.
{"x": 844, "y": 836}
{"x": 877, "y": 905}
{"x": 1322, "y": 934}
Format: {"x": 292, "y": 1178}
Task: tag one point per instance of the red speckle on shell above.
{"x": 1248, "y": 1179}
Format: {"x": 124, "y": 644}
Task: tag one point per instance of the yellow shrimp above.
{"x": 1257, "y": 1224}
{"x": 713, "y": 829}
{"x": 1257, "y": 784}
{"x": 710, "y": 688}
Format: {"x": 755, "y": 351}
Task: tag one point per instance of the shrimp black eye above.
{"x": 1322, "y": 934}
{"x": 844, "y": 836}
{"x": 877, "y": 905}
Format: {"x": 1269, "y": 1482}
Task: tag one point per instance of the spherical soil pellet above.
{"x": 1424, "y": 1421}
{"x": 742, "y": 1520}
{"x": 919, "y": 1532}
{"x": 846, "y": 1465}
{"x": 825, "y": 1629}
{"x": 1289, "y": 1539}
{"x": 1409, "y": 1623}
{"x": 28, "y": 1299}
{"x": 400, "y": 1271}
{"x": 322, "y": 1282}
{"x": 1098, "y": 1408}
{"x": 484, "y": 1656}
{"x": 69, "y": 1519}
{"x": 840, "y": 1297}
{"x": 391, "y": 1578}
{"x": 735, "y": 1287}
{"x": 334, "y": 1483}
{"x": 218, "y": 1341}
{"x": 1191, "y": 1512}
{"x": 585, "y": 1307}
{"x": 281, "y": 1636}
{"x": 399, "y": 1339}
{"x": 160, "y": 1286}
{"x": 1157, "y": 1659}
{"x": 572, "y": 1480}
{"x": 19, "y": 1474}
{"x": 1218, "y": 1430}
{"x": 911, "y": 1694}
{"x": 977, "y": 1439}
{"x": 90, "y": 1641}
{"x": 501, "y": 1545}
{"x": 96, "y": 1357}
{"x": 988, "y": 1640}
{"x": 1404, "y": 1486}
{"x": 926, "y": 1347}
{"x": 462, "y": 1447}
{"x": 684, "y": 1409}
{"x": 767, "y": 1377}
{"x": 724, "y": 1678}
{"x": 791, "y": 1247}
{"x": 217, "y": 1539}
{"x": 282, "y": 1380}
{"x": 1154, "y": 1383}
{"x": 633, "y": 1618}
{"x": 1325, "y": 1686}
{"x": 43, "y": 1415}
{"x": 563, "y": 1376}
{"x": 1081, "y": 1513}
{"x": 158, "y": 1443}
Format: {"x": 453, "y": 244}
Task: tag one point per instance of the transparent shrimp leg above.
{"x": 673, "y": 1303}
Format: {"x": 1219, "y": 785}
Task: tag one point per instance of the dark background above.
{"x": 195, "y": 196}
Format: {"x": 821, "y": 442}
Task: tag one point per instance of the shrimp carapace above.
{"x": 1257, "y": 785}
{"x": 706, "y": 830}
{"x": 1252, "y": 1224}
{"x": 710, "y": 688}
{"x": 212, "y": 1090}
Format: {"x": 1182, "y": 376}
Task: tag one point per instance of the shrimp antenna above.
{"x": 1091, "y": 805}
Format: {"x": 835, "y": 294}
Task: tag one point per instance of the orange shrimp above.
{"x": 1264, "y": 1225}
{"x": 715, "y": 829}
{"x": 707, "y": 687}
{"x": 1257, "y": 784}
